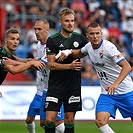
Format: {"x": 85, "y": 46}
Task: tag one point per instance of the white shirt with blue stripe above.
{"x": 105, "y": 60}
{"x": 43, "y": 75}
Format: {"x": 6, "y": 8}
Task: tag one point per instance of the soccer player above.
{"x": 64, "y": 84}
{"x": 11, "y": 42}
{"x": 36, "y": 107}
{"x": 112, "y": 69}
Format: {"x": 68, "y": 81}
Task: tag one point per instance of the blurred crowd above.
{"x": 114, "y": 16}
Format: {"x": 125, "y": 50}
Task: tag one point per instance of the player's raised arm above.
{"x": 65, "y": 53}
{"x": 24, "y": 66}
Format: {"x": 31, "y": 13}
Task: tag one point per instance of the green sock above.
{"x": 49, "y": 127}
{"x": 69, "y": 128}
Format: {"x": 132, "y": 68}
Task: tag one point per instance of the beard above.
{"x": 67, "y": 31}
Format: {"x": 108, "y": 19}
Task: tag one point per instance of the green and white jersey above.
{"x": 3, "y": 72}
{"x": 106, "y": 61}
{"x": 42, "y": 75}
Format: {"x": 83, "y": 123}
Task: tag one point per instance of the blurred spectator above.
{"x": 127, "y": 31}
{"x": 31, "y": 37}
{"x": 104, "y": 31}
{"x": 100, "y": 16}
{"x": 92, "y": 5}
{"x": 111, "y": 13}
{"x": 78, "y": 5}
{"x": 125, "y": 8}
{"x": 114, "y": 31}
{"x": 114, "y": 16}
{"x": 12, "y": 12}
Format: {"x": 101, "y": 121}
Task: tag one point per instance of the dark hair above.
{"x": 93, "y": 25}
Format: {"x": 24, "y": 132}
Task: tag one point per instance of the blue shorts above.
{"x": 60, "y": 115}
{"x": 37, "y": 108}
{"x": 122, "y": 102}
{"x": 34, "y": 108}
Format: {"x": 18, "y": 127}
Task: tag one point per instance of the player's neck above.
{"x": 7, "y": 49}
{"x": 65, "y": 34}
{"x": 43, "y": 41}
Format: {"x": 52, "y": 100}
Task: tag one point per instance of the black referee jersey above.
{"x": 57, "y": 42}
{"x": 3, "y": 72}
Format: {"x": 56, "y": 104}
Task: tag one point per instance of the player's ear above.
{"x": 5, "y": 40}
{"x": 60, "y": 22}
{"x": 87, "y": 35}
{"x": 101, "y": 33}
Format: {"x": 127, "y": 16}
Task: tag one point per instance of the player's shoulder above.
{"x": 76, "y": 33}
{"x": 107, "y": 44}
{"x": 55, "y": 35}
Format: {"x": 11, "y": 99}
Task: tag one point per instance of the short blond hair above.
{"x": 13, "y": 31}
{"x": 65, "y": 11}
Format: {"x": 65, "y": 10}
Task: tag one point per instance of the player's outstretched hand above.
{"x": 76, "y": 65}
{"x": 38, "y": 64}
{"x": 16, "y": 58}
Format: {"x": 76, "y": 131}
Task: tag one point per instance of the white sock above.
{"x": 106, "y": 129}
{"x": 60, "y": 128}
{"x": 31, "y": 127}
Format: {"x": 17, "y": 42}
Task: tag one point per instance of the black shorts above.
{"x": 70, "y": 97}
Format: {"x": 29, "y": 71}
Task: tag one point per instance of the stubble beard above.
{"x": 67, "y": 31}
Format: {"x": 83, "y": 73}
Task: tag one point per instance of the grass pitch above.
{"x": 80, "y": 127}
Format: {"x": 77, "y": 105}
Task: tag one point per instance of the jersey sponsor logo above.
{"x": 51, "y": 99}
{"x": 61, "y": 46}
{"x": 99, "y": 64}
{"x": 75, "y": 44}
{"x": 74, "y": 99}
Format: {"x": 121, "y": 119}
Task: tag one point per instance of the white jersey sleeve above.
{"x": 106, "y": 61}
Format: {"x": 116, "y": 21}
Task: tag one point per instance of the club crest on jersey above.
{"x": 75, "y": 44}
{"x": 101, "y": 54}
